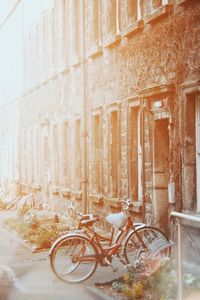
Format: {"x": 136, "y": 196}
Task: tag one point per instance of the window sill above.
{"x": 44, "y": 122}
{"x": 137, "y": 207}
{"x": 181, "y": 2}
{"x": 75, "y": 61}
{"x": 62, "y": 69}
{"x": 65, "y": 192}
{"x": 111, "y": 41}
{"x": 37, "y": 187}
{"x": 77, "y": 195}
{"x": 96, "y": 198}
{"x": 54, "y": 190}
{"x": 114, "y": 202}
{"x": 158, "y": 13}
{"x": 94, "y": 51}
{"x": 133, "y": 28}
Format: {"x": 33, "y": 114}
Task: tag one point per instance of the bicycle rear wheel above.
{"x": 74, "y": 259}
{"x": 146, "y": 243}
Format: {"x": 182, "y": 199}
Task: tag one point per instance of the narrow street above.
{"x": 99, "y": 102}
{"x": 26, "y": 275}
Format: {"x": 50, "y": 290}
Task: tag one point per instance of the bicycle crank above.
{"x": 108, "y": 261}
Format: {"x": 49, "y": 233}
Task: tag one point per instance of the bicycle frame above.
{"x": 105, "y": 251}
{"x": 85, "y": 248}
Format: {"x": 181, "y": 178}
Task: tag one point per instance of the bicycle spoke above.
{"x": 148, "y": 242}
{"x": 74, "y": 259}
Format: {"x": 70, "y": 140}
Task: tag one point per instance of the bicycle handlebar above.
{"x": 83, "y": 216}
{"x": 127, "y": 201}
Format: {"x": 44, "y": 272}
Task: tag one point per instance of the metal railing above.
{"x": 182, "y": 219}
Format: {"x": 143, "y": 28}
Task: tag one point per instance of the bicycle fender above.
{"x": 75, "y": 232}
{"x": 140, "y": 225}
{"x": 136, "y": 225}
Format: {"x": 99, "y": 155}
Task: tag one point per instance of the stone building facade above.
{"x": 111, "y": 107}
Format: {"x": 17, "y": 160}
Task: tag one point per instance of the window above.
{"x": 55, "y": 155}
{"x": 113, "y": 154}
{"x": 65, "y": 153}
{"x": 135, "y": 155}
{"x": 95, "y": 27}
{"x": 111, "y": 17}
{"x": 109, "y": 20}
{"x": 63, "y": 31}
{"x": 30, "y": 156}
{"x": 156, "y": 3}
{"x": 130, "y": 16}
{"x": 198, "y": 150}
{"x": 24, "y": 156}
{"x": 77, "y": 155}
{"x": 152, "y": 5}
{"x": 93, "y": 19}
{"x": 46, "y": 154}
{"x": 132, "y": 11}
{"x": 44, "y": 46}
{"x": 66, "y": 31}
{"x": 52, "y": 24}
{"x": 189, "y": 151}
{"x": 97, "y": 152}
{"x": 36, "y": 155}
{"x": 37, "y": 51}
{"x": 30, "y": 63}
{"x": 76, "y": 27}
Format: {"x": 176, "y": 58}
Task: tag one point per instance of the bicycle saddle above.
{"x": 89, "y": 222}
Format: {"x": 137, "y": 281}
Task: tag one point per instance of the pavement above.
{"x": 26, "y": 275}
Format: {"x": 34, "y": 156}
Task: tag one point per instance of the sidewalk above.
{"x": 33, "y": 277}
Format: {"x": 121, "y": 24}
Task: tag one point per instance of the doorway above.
{"x": 161, "y": 173}
{"x": 135, "y": 155}
{"x": 198, "y": 151}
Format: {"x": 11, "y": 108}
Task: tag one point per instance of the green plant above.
{"x": 23, "y": 210}
{"x": 138, "y": 290}
{"x": 3, "y": 204}
{"x": 138, "y": 284}
{"x": 45, "y": 237}
{"x": 126, "y": 290}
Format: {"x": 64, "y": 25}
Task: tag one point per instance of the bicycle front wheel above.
{"x": 74, "y": 259}
{"x": 146, "y": 243}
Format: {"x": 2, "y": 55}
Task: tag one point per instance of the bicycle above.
{"x": 75, "y": 256}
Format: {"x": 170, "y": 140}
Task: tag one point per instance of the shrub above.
{"x": 45, "y": 237}
{"x": 137, "y": 284}
{"x": 23, "y": 210}
{"x": 3, "y": 204}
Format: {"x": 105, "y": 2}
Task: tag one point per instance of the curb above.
{"x": 98, "y": 294}
{"x": 14, "y": 236}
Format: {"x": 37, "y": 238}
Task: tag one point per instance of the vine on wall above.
{"x": 168, "y": 52}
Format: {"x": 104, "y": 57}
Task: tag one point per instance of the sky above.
{"x": 10, "y": 44}
{"x": 4, "y": 6}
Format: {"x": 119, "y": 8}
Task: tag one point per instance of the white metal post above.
{"x": 179, "y": 267}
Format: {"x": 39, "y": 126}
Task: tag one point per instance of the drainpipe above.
{"x": 143, "y": 158}
{"x": 84, "y": 115}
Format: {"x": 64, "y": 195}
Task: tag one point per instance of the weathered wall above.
{"x": 139, "y": 62}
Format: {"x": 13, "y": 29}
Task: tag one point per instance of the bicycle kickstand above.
{"x": 115, "y": 269}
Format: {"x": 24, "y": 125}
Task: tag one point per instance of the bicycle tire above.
{"x": 120, "y": 254}
{"x": 151, "y": 242}
{"x": 65, "y": 257}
